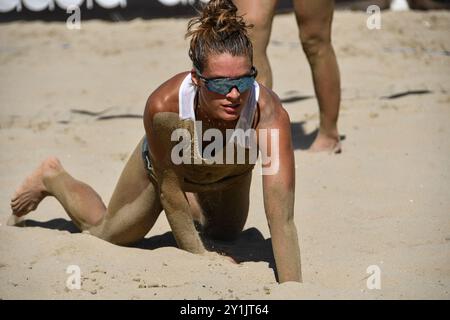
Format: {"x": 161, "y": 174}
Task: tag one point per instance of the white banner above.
{"x": 64, "y": 4}
{"x": 9, "y": 5}
{"x": 40, "y": 5}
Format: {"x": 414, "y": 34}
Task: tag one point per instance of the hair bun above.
{"x": 218, "y": 28}
{"x": 219, "y": 18}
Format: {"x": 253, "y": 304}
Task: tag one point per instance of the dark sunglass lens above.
{"x": 217, "y": 88}
{"x": 224, "y": 86}
{"x": 245, "y": 84}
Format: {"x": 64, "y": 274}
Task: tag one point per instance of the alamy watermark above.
{"x": 73, "y": 22}
{"x": 73, "y": 281}
{"x": 374, "y": 279}
{"x": 374, "y": 20}
{"x": 246, "y": 152}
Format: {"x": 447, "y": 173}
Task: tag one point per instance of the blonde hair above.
{"x": 218, "y": 29}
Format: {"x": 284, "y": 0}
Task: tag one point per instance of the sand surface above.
{"x": 384, "y": 201}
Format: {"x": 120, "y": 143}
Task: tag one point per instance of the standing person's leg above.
{"x": 132, "y": 211}
{"x": 259, "y": 13}
{"x": 314, "y": 19}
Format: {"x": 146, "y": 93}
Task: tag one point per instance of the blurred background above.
{"x": 105, "y": 9}
{"x": 129, "y": 9}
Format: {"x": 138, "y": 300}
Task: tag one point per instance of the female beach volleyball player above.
{"x": 168, "y": 171}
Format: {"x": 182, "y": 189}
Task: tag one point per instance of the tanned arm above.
{"x": 279, "y": 191}
{"x": 159, "y": 125}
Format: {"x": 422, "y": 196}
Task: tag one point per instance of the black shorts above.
{"x": 146, "y": 157}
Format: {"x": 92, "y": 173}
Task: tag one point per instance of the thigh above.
{"x": 134, "y": 206}
{"x": 314, "y": 18}
{"x": 259, "y": 13}
{"x": 256, "y": 10}
{"x": 225, "y": 212}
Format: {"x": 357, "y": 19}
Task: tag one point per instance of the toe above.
{"x": 15, "y": 205}
{"x": 20, "y": 209}
{"x": 13, "y": 220}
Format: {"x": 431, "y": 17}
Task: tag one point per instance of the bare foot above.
{"x": 28, "y": 196}
{"x": 14, "y": 221}
{"x": 325, "y": 143}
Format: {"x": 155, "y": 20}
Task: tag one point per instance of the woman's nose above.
{"x": 234, "y": 93}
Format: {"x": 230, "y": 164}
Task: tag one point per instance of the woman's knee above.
{"x": 315, "y": 30}
{"x": 314, "y": 45}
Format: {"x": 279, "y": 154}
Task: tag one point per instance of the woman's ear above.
{"x": 195, "y": 78}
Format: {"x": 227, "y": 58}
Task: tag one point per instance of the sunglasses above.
{"x": 223, "y": 86}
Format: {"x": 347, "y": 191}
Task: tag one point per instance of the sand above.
{"x": 384, "y": 201}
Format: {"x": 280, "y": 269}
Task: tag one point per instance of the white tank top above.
{"x": 186, "y": 96}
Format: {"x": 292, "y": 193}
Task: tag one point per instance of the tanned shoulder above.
{"x": 271, "y": 109}
{"x": 164, "y": 98}
{"x": 161, "y": 106}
